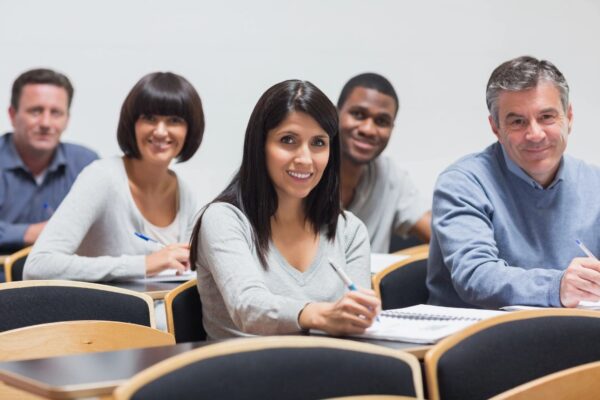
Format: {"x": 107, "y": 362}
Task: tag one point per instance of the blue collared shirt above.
{"x": 499, "y": 238}
{"x": 22, "y": 199}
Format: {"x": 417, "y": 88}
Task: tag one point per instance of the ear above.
{"x": 11, "y": 114}
{"x": 494, "y": 127}
{"x": 570, "y": 117}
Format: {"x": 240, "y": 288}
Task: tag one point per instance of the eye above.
{"x": 176, "y": 120}
{"x": 517, "y": 123}
{"x": 35, "y": 111}
{"x": 383, "y": 122}
{"x": 319, "y": 142}
{"x": 148, "y": 117}
{"x": 548, "y": 118}
{"x": 287, "y": 139}
{"x": 57, "y": 113}
{"x": 357, "y": 114}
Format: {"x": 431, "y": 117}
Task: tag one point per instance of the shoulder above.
{"x": 222, "y": 215}
{"x": 475, "y": 166}
{"x": 77, "y": 154}
{"x": 349, "y": 226}
{"x": 106, "y": 169}
{"x": 582, "y": 169}
{"x": 188, "y": 197}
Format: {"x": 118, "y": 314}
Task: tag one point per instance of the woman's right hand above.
{"x": 352, "y": 314}
{"x": 174, "y": 256}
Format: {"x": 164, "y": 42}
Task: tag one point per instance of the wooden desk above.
{"x": 98, "y": 374}
{"x": 156, "y": 290}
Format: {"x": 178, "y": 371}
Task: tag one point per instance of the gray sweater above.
{"x": 240, "y": 298}
{"x": 90, "y": 236}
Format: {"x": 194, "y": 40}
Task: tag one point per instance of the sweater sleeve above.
{"x": 53, "y": 255}
{"x": 357, "y": 250}
{"x": 226, "y": 250}
{"x": 462, "y": 220}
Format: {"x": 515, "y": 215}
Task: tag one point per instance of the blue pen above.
{"x": 148, "y": 239}
{"x": 585, "y": 249}
{"x": 48, "y": 208}
{"x": 346, "y": 279}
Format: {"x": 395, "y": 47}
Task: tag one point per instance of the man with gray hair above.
{"x": 506, "y": 220}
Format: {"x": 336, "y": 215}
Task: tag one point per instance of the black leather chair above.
{"x": 503, "y": 352}
{"x": 284, "y": 367}
{"x": 403, "y": 283}
{"x": 28, "y": 303}
{"x": 184, "y": 313}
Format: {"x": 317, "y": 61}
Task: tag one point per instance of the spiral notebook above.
{"x": 424, "y": 323}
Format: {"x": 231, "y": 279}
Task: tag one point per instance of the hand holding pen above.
{"x": 173, "y": 256}
{"x": 581, "y": 279}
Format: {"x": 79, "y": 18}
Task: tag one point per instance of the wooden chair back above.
{"x": 577, "y": 383}
{"x": 13, "y": 265}
{"x": 184, "y": 313}
{"x": 403, "y": 284}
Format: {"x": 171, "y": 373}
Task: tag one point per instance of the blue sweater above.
{"x": 500, "y": 239}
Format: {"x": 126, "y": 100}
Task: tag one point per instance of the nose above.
{"x": 535, "y": 132}
{"x": 160, "y": 130}
{"x": 303, "y": 155}
{"x": 368, "y": 128}
{"x": 45, "y": 120}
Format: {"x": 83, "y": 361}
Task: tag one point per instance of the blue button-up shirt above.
{"x": 22, "y": 200}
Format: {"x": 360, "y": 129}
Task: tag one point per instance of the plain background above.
{"x": 438, "y": 54}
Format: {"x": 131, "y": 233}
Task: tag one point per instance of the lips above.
{"x": 300, "y": 175}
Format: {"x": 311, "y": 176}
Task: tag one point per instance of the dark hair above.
{"x": 162, "y": 93}
{"x": 523, "y": 73}
{"x": 368, "y": 80}
{"x": 40, "y": 76}
{"x": 252, "y": 191}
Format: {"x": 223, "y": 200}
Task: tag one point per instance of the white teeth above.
{"x": 300, "y": 175}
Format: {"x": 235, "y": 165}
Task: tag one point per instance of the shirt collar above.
{"x": 518, "y": 171}
{"x": 10, "y": 159}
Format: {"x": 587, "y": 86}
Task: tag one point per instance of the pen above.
{"x": 149, "y": 239}
{"x": 346, "y": 279}
{"x": 48, "y": 208}
{"x": 585, "y": 249}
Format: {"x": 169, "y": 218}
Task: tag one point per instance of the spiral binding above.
{"x": 425, "y": 317}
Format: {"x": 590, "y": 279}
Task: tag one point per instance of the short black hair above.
{"x": 40, "y": 76}
{"x": 369, "y": 80}
{"x": 252, "y": 190}
{"x": 162, "y": 93}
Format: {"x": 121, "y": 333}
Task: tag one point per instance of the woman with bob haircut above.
{"x": 263, "y": 247}
{"x": 91, "y": 237}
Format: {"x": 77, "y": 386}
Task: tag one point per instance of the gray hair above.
{"x": 523, "y": 73}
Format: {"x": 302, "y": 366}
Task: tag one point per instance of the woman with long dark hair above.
{"x": 264, "y": 247}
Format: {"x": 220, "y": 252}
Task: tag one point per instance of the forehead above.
{"x": 299, "y": 123}
{"x": 370, "y": 99}
{"x": 542, "y": 97}
{"x": 42, "y": 93}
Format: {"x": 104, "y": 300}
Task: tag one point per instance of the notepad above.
{"x": 424, "y": 324}
{"x": 169, "y": 275}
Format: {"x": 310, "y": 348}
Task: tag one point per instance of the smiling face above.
{"x": 160, "y": 138}
{"x": 297, "y": 153}
{"x": 534, "y": 129}
{"x": 40, "y": 118}
{"x": 366, "y": 123}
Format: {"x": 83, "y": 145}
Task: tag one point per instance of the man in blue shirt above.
{"x": 505, "y": 220}
{"x": 36, "y": 169}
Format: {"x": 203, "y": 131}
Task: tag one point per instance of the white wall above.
{"x": 438, "y": 54}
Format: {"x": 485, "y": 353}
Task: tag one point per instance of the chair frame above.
{"x": 433, "y": 356}
{"x": 126, "y": 390}
{"x": 170, "y": 297}
{"x": 85, "y": 285}
{"x": 379, "y": 276}
{"x": 411, "y": 251}
{"x": 11, "y": 259}
{"x": 76, "y": 337}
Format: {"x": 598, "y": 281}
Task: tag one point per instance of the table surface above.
{"x": 156, "y": 290}
{"x": 98, "y": 374}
